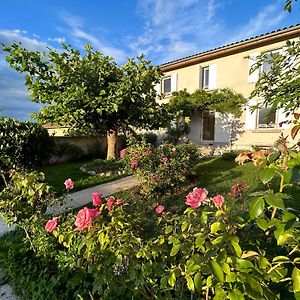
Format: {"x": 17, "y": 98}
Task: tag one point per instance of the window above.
{"x": 166, "y": 85}
{"x": 205, "y": 78}
{"x": 266, "y": 65}
{"x": 266, "y": 117}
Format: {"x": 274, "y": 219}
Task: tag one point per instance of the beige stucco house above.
{"x": 228, "y": 67}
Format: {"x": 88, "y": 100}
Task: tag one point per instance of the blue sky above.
{"x": 161, "y": 29}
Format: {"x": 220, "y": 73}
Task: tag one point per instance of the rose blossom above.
{"x": 110, "y": 201}
{"x": 134, "y": 163}
{"x": 165, "y": 159}
{"x": 159, "y": 209}
{"x": 51, "y": 225}
{"x": 69, "y": 184}
{"x": 218, "y": 200}
{"x": 196, "y": 197}
{"x": 85, "y": 217}
{"x": 123, "y": 152}
{"x": 97, "y": 199}
{"x": 119, "y": 201}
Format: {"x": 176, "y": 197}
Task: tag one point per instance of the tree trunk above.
{"x": 112, "y": 142}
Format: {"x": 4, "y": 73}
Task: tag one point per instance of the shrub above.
{"x": 67, "y": 151}
{"x": 231, "y": 155}
{"x": 161, "y": 170}
{"x": 24, "y": 144}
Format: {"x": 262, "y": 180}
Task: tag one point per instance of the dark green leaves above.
{"x": 266, "y": 175}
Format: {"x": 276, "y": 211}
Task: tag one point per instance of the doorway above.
{"x": 208, "y": 125}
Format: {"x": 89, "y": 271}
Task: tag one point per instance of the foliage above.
{"x": 161, "y": 170}
{"x": 100, "y": 166}
{"x": 67, "y": 151}
{"x": 288, "y": 5}
{"x": 23, "y": 144}
{"x": 230, "y": 155}
{"x": 280, "y": 85}
{"x": 149, "y": 137}
{"x": 90, "y": 93}
{"x": 224, "y": 101}
{"x": 24, "y": 196}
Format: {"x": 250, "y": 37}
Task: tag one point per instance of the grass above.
{"x": 217, "y": 175}
{"x": 57, "y": 174}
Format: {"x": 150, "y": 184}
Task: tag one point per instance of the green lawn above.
{"x": 57, "y": 174}
{"x": 217, "y": 175}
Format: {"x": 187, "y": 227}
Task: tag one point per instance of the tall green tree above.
{"x": 89, "y": 92}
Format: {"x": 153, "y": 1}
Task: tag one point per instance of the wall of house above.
{"x": 231, "y": 72}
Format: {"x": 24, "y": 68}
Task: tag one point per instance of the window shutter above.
{"x": 250, "y": 123}
{"x": 253, "y": 77}
{"x": 157, "y": 88}
{"x": 281, "y": 117}
{"x": 222, "y": 127}
{"x": 212, "y": 76}
{"x": 200, "y": 78}
{"x": 173, "y": 83}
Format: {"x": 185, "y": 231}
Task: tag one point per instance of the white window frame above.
{"x": 205, "y": 85}
{"x": 258, "y": 127}
{"x": 279, "y": 51}
{"x": 163, "y": 85}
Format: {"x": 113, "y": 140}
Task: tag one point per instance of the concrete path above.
{"x": 84, "y": 197}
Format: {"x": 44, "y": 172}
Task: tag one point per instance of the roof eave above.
{"x": 260, "y": 41}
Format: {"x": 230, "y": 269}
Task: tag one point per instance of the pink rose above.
{"x": 165, "y": 159}
{"x": 218, "y": 200}
{"x": 110, "y": 202}
{"x": 97, "y": 199}
{"x": 159, "y": 209}
{"x": 85, "y": 217}
{"x": 196, "y": 197}
{"x": 119, "y": 201}
{"x": 134, "y": 163}
{"x": 123, "y": 152}
{"x": 51, "y": 225}
{"x": 69, "y": 184}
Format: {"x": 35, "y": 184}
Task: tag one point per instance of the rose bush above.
{"x": 161, "y": 170}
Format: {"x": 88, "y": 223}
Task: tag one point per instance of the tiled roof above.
{"x": 232, "y": 44}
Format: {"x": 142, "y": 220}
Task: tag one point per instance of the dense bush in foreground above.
{"x": 24, "y": 144}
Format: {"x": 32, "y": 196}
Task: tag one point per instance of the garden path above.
{"x": 83, "y": 197}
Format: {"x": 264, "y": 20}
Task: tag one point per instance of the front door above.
{"x": 208, "y": 125}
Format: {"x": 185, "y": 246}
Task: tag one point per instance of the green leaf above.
{"x": 217, "y": 271}
{"x": 235, "y": 295}
{"x": 198, "y": 282}
{"x": 168, "y": 229}
{"x": 278, "y": 259}
{"x": 266, "y": 175}
{"x": 175, "y": 249}
{"x": 262, "y": 224}
{"x": 199, "y": 241}
{"x": 273, "y": 156}
{"x": 172, "y": 279}
{"x": 296, "y": 280}
{"x": 275, "y": 200}
{"x": 184, "y": 226}
{"x": 190, "y": 283}
{"x": 215, "y": 227}
{"x": 257, "y": 206}
{"x": 237, "y": 248}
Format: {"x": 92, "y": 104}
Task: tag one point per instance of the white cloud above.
{"x": 268, "y": 18}
{"x": 77, "y": 31}
{"x": 174, "y": 29}
{"x": 13, "y": 93}
{"x": 57, "y": 40}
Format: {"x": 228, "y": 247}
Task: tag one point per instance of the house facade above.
{"x": 228, "y": 67}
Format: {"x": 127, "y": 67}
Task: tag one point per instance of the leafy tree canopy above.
{"x": 220, "y": 100}
{"x": 89, "y": 92}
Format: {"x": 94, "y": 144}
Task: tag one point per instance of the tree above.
{"x": 279, "y": 87}
{"x": 90, "y": 93}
